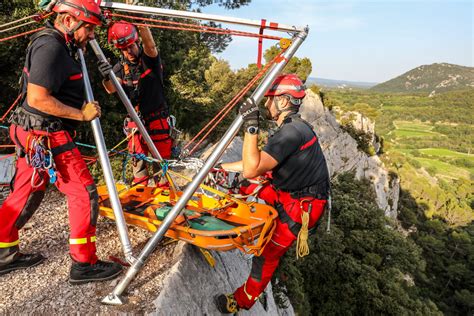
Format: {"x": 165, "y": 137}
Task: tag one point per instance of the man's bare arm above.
{"x": 41, "y": 99}
{"x": 255, "y": 162}
{"x": 235, "y": 166}
{"x": 149, "y": 46}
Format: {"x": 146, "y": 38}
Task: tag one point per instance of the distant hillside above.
{"x": 432, "y": 79}
{"x": 341, "y": 84}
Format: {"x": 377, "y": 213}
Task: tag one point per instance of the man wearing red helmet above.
{"x": 298, "y": 189}
{"x": 141, "y": 74}
{"x": 52, "y": 107}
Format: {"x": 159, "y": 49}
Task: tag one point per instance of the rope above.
{"x": 18, "y": 26}
{"x": 21, "y": 34}
{"x": 194, "y": 27}
{"x": 36, "y": 19}
{"x": 10, "y": 108}
{"x": 17, "y": 21}
{"x": 227, "y": 108}
{"x": 302, "y": 247}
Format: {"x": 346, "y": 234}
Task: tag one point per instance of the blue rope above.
{"x": 164, "y": 167}
{"x": 124, "y": 169}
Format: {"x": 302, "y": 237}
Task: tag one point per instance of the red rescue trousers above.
{"x": 159, "y": 133}
{"x": 264, "y": 265}
{"x": 73, "y": 179}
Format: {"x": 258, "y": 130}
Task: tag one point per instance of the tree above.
{"x": 299, "y": 66}
{"x": 186, "y": 56}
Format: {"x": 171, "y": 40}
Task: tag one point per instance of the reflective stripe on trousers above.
{"x": 265, "y": 265}
{"x": 73, "y": 180}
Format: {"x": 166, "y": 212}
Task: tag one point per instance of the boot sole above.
{"x": 79, "y": 282}
{"x": 22, "y": 268}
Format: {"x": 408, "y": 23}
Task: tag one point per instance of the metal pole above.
{"x": 128, "y": 105}
{"x": 114, "y": 297}
{"x": 105, "y": 163}
{"x": 200, "y": 16}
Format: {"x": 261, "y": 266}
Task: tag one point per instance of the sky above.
{"x": 361, "y": 40}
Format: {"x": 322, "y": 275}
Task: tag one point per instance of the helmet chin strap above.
{"x": 69, "y": 34}
{"x": 281, "y": 111}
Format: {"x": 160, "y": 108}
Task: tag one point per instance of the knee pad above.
{"x": 257, "y": 268}
{"x": 94, "y": 203}
{"x": 32, "y": 204}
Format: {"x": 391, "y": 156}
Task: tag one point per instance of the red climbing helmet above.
{"x": 83, "y": 10}
{"x": 287, "y": 84}
{"x": 122, "y": 34}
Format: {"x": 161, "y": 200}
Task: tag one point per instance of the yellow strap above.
{"x": 208, "y": 256}
{"x": 250, "y": 297}
{"x": 81, "y": 241}
{"x": 9, "y": 244}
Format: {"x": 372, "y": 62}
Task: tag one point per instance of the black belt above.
{"x": 317, "y": 191}
{"x": 30, "y": 121}
{"x": 159, "y": 132}
{"x": 63, "y": 148}
{"x": 148, "y": 117}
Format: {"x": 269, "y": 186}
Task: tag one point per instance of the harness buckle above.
{"x": 310, "y": 205}
{"x": 53, "y": 126}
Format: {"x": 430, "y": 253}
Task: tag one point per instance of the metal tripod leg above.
{"x": 115, "y": 297}
{"x": 108, "y": 175}
{"x": 128, "y": 105}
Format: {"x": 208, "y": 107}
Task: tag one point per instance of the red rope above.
{"x": 37, "y": 17}
{"x": 10, "y": 108}
{"x": 226, "y": 109}
{"x": 194, "y": 27}
{"x": 21, "y": 34}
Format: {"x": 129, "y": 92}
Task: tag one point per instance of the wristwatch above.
{"x": 253, "y": 130}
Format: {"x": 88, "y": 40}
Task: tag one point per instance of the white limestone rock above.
{"x": 191, "y": 284}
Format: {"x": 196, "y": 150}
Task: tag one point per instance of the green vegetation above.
{"x": 449, "y": 255}
{"x": 364, "y": 140}
{"x": 428, "y": 142}
{"x": 427, "y": 78}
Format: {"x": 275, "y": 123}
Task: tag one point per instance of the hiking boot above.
{"x": 226, "y": 303}
{"x": 22, "y": 261}
{"x": 100, "y": 271}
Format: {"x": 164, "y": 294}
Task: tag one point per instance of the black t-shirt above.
{"x": 49, "y": 64}
{"x": 301, "y": 162}
{"x": 143, "y": 83}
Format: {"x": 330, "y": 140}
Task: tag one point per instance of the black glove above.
{"x": 105, "y": 69}
{"x": 250, "y": 113}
